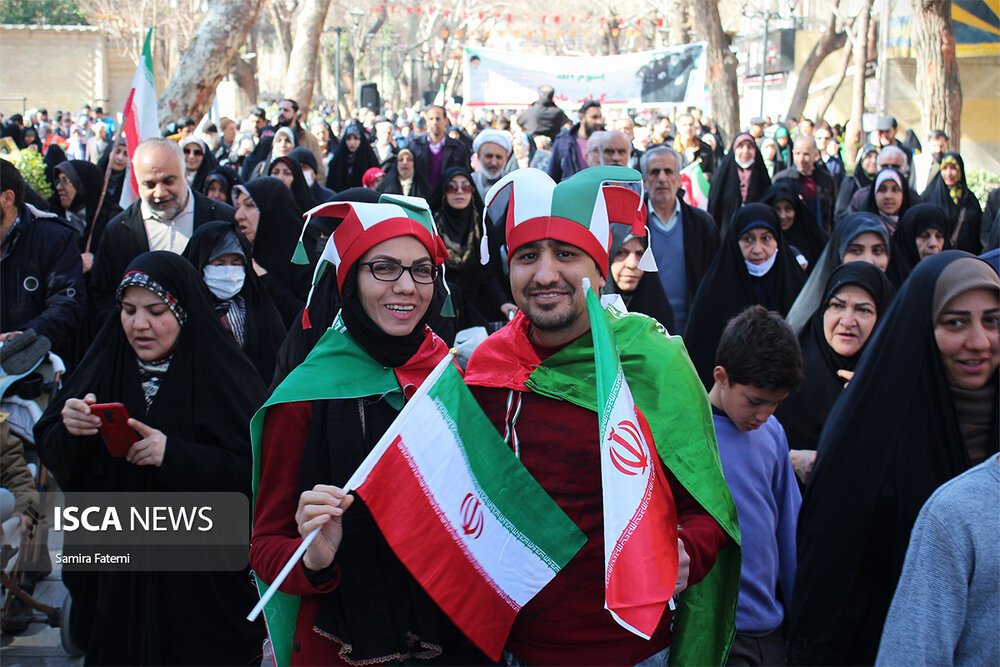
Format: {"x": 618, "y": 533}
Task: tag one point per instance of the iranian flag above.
{"x": 470, "y": 523}
{"x": 140, "y": 116}
{"x": 640, "y": 519}
{"x": 695, "y": 185}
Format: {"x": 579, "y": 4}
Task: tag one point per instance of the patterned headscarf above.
{"x": 956, "y": 191}
{"x": 140, "y": 279}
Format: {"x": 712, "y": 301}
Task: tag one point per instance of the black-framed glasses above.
{"x": 191, "y": 151}
{"x": 389, "y": 271}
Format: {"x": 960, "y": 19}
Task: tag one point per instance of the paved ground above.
{"x": 40, "y": 645}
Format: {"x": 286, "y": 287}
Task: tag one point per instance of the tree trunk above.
{"x": 208, "y": 58}
{"x": 853, "y": 139}
{"x": 830, "y": 41}
{"x": 845, "y": 62}
{"x": 678, "y": 22}
{"x": 938, "y": 85}
{"x": 245, "y": 75}
{"x": 721, "y": 66}
{"x": 301, "y": 75}
{"x": 282, "y": 29}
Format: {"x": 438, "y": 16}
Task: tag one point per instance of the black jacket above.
{"x": 542, "y": 117}
{"x": 453, "y": 154}
{"x": 125, "y": 238}
{"x": 41, "y": 279}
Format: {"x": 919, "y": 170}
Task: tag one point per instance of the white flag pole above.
{"x": 359, "y": 476}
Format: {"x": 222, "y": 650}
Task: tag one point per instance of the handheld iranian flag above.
{"x": 140, "y": 117}
{"x": 640, "y": 519}
{"x": 468, "y": 521}
{"x": 695, "y": 185}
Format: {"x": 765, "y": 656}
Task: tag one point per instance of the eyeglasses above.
{"x": 454, "y": 188}
{"x": 388, "y": 271}
{"x": 191, "y": 151}
{"x": 63, "y": 181}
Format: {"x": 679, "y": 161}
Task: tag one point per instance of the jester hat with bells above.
{"x": 578, "y": 211}
{"x": 366, "y": 225}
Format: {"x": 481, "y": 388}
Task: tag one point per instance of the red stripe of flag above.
{"x": 393, "y": 492}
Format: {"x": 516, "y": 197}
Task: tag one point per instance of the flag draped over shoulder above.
{"x": 470, "y": 523}
{"x": 640, "y": 518}
{"x": 141, "y": 120}
{"x": 458, "y": 509}
{"x": 660, "y": 373}
{"x": 695, "y": 185}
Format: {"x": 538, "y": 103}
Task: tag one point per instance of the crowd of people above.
{"x": 816, "y": 347}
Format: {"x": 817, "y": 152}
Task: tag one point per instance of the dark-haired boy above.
{"x": 757, "y": 365}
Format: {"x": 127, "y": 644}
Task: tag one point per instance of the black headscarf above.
{"x": 904, "y": 255}
{"x": 203, "y": 404}
{"x": 264, "y": 330}
{"x": 648, "y": 296}
{"x": 872, "y": 207}
{"x": 461, "y": 230}
{"x": 347, "y": 168}
{"x": 307, "y": 159}
{"x": 390, "y": 185}
{"x": 892, "y": 438}
{"x": 54, "y": 156}
{"x": 811, "y": 295}
{"x": 88, "y": 180}
{"x": 804, "y": 412}
{"x": 728, "y": 288}
{"x": 300, "y": 189}
{"x": 117, "y": 179}
{"x": 805, "y": 234}
{"x": 226, "y": 177}
{"x": 278, "y": 231}
{"x": 966, "y": 212}
{"x": 724, "y": 196}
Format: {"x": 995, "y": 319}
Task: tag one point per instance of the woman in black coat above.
{"x": 190, "y": 393}
{"x": 222, "y": 256}
{"x": 753, "y": 266}
{"x": 950, "y": 191}
{"x": 740, "y": 178}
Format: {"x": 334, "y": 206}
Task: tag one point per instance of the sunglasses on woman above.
{"x": 191, "y": 151}
{"x": 454, "y": 188}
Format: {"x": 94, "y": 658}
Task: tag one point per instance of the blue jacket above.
{"x": 565, "y": 156}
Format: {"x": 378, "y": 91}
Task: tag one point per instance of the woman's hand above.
{"x": 802, "y": 462}
{"x": 322, "y": 507}
{"x": 149, "y": 450}
{"x": 509, "y": 310}
{"x": 77, "y": 417}
{"x": 847, "y": 376}
{"x": 87, "y": 259}
{"x": 683, "y": 567}
{"x": 258, "y": 269}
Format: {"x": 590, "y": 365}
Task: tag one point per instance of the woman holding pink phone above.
{"x": 188, "y": 392}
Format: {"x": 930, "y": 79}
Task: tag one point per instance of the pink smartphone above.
{"x": 118, "y": 436}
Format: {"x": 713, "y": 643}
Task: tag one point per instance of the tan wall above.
{"x": 61, "y": 67}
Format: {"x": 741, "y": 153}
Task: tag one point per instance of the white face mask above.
{"x": 225, "y": 282}
{"x": 758, "y": 270}
{"x": 309, "y": 176}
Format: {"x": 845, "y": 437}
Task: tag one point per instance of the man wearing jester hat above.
{"x": 535, "y": 380}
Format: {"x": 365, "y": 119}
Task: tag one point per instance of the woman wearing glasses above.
{"x": 476, "y": 290}
{"x": 357, "y": 604}
{"x": 198, "y": 162}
